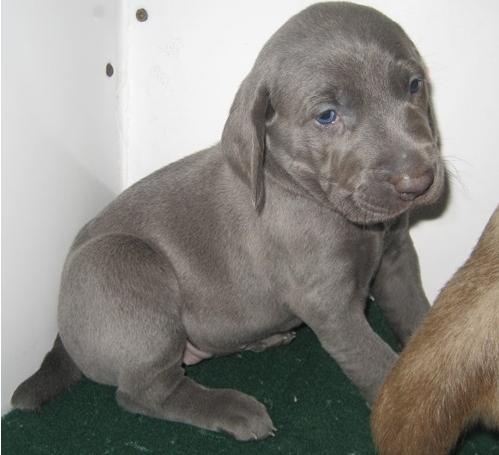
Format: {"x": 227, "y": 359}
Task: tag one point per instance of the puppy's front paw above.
{"x": 242, "y": 416}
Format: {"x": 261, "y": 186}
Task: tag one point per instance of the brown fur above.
{"x": 447, "y": 377}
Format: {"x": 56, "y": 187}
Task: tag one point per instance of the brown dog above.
{"x": 448, "y": 375}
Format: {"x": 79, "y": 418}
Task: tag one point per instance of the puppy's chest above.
{"x": 312, "y": 258}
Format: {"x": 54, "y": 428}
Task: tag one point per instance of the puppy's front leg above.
{"x": 346, "y": 335}
{"x": 397, "y": 287}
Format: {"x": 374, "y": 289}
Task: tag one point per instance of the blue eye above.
{"x": 327, "y": 117}
{"x": 415, "y": 85}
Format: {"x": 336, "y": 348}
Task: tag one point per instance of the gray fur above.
{"x": 284, "y": 222}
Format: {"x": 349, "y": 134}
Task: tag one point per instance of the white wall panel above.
{"x": 61, "y": 159}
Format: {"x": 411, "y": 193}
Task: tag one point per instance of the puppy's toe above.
{"x": 243, "y": 417}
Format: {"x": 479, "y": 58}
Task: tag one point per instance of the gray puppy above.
{"x": 295, "y": 217}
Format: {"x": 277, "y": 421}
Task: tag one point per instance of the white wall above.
{"x": 60, "y": 158}
{"x": 186, "y": 62}
{"x": 64, "y": 124}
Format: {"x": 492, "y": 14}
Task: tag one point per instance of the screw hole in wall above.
{"x": 109, "y": 70}
{"x": 141, "y": 15}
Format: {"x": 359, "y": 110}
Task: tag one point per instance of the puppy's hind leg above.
{"x": 120, "y": 318}
{"x": 158, "y": 388}
{"x": 279, "y": 339}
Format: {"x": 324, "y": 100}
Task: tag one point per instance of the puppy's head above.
{"x": 339, "y": 102}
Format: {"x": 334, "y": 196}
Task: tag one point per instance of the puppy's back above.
{"x": 448, "y": 375}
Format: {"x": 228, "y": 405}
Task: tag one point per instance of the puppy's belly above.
{"x": 193, "y": 355}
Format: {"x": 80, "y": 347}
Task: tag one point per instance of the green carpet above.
{"x": 313, "y": 405}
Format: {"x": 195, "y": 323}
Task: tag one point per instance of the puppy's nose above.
{"x": 410, "y": 187}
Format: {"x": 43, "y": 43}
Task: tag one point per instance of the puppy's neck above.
{"x": 277, "y": 174}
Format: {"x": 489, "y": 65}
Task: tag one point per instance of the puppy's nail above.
{"x": 274, "y": 428}
{"x": 255, "y": 437}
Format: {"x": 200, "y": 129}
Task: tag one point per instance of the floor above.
{"x": 311, "y": 402}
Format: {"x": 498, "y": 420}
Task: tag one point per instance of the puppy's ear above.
{"x": 243, "y": 137}
{"x": 433, "y": 123}
{"x": 432, "y": 120}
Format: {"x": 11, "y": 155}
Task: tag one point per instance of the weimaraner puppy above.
{"x": 296, "y": 216}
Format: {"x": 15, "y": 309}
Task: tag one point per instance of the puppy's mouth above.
{"x": 373, "y": 211}
{"x": 364, "y": 209}
{"x": 375, "y": 201}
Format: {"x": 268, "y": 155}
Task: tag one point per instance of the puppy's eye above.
{"x": 327, "y": 117}
{"x": 415, "y": 85}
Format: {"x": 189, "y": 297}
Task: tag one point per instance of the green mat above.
{"x": 311, "y": 402}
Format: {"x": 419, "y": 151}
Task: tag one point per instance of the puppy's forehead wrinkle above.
{"x": 349, "y": 80}
{"x": 411, "y": 66}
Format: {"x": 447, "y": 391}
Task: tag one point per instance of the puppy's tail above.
{"x": 56, "y": 374}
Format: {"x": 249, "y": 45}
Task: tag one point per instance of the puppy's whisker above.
{"x": 452, "y": 171}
